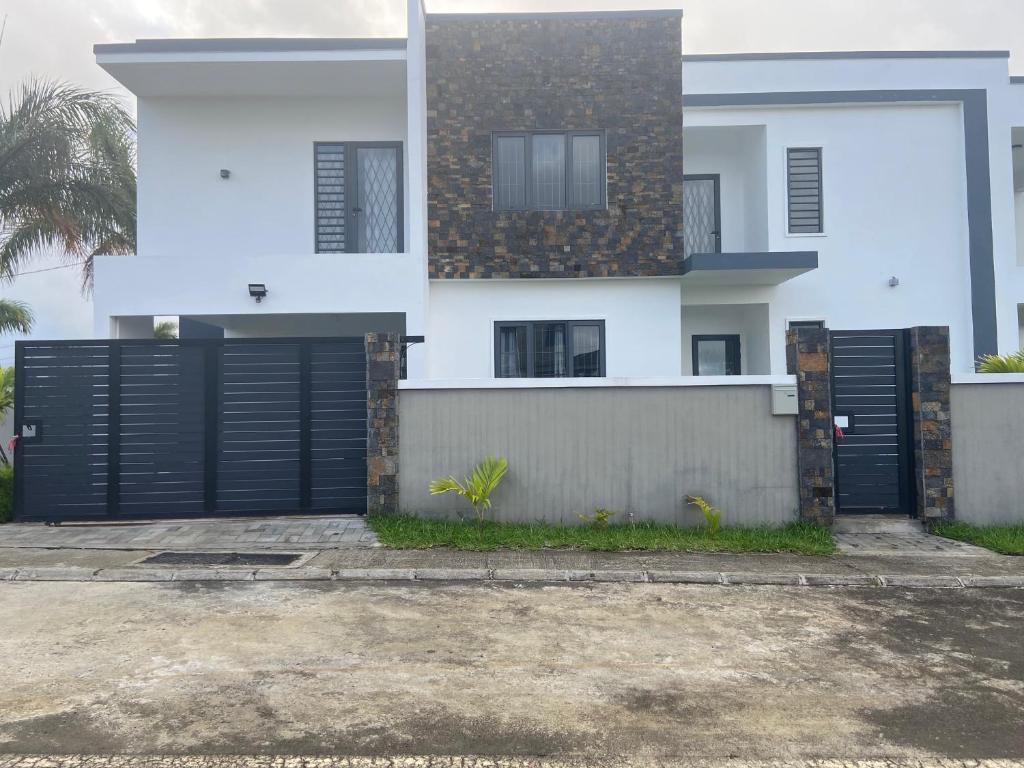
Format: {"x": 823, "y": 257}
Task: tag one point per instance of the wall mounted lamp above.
{"x": 225, "y": 173}
{"x": 258, "y": 291}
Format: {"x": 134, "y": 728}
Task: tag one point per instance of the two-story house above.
{"x": 568, "y": 195}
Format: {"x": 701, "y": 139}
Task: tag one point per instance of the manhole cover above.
{"x": 222, "y": 558}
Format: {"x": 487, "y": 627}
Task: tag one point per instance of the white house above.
{"x": 531, "y": 218}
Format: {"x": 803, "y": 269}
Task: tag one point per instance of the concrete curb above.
{"x": 505, "y": 575}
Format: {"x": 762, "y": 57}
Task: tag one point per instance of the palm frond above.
{"x": 67, "y": 175}
{"x": 15, "y": 316}
{"x": 1010, "y": 363}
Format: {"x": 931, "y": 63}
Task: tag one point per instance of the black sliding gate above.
{"x": 151, "y": 429}
{"x": 870, "y": 403}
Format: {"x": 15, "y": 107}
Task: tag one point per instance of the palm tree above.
{"x": 15, "y": 316}
{"x": 67, "y": 176}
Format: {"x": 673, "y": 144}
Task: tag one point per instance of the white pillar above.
{"x": 416, "y": 152}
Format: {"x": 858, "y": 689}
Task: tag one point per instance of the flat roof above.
{"x": 664, "y": 13}
{"x": 252, "y": 45}
{"x": 847, "y": 55}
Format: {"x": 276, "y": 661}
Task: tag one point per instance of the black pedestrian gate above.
{"x": 870, "y": 404}
{"x": 155, "y": 429}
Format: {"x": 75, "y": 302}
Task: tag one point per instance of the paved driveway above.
{"x": 651, "y": 671}
{"x": 292, "y": 533}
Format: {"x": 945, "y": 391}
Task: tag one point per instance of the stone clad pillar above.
{"x": 933, "y": 430}
{"x": 808, "y": 357}
{"x": 383, "y": 353}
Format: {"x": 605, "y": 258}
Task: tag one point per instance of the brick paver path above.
{"x": 905, "y": 544}
{"x": 291, "y": 533}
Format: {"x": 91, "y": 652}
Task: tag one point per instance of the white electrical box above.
{"x": 784, "y": 400}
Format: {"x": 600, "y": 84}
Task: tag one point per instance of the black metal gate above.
{"x": 870, "y": 403}
{"x": 151, "y": 429}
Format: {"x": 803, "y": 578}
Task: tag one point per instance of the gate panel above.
{"x": 258, "y": 447}
{"x": 161, "y": 428}
{"x": 869, "y": 391}
{"x": 146, "y": 428}
{"x": 338, "y": 427}
{"x": 62, "y": 390}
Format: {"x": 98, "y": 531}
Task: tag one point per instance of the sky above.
{"x": 54, "y": 39}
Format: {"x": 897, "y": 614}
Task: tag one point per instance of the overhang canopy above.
{"x": 257, "y": 67}
{"x": 766, "y": 268}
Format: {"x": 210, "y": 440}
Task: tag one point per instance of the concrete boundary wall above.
{"x": 988, "y": 448}
{"x": 638, "y": 450}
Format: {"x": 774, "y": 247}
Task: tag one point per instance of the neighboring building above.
{"x": 567, "y": 194}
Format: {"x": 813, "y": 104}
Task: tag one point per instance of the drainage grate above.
{"x": 222, "y": 558}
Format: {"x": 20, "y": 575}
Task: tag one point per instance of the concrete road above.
{"x": 650, "y": 671}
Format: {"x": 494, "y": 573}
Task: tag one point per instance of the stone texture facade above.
{"x": 933, "y": 429}
{"x": 614, "y": 72}
{"x": 383, "y": 353}
{"x": 808, "y": 357}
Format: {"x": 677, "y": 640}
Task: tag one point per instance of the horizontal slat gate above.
{"x": 338, "y": 426}
{"x": 150, "y": 429}
{"x": 63, "y": 391}
{"x": 869, "y": 392}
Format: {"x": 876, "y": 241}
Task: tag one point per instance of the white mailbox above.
{"x": 784, "y": 400}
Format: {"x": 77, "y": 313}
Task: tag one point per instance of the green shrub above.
{"x": 6, "y": 493}
{"x": 1011, "y": 363}
{"x": 600, "y": 519}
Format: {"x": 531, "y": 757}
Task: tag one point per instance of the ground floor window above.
{"x": 716, "y": 355}
{"x": 549, "y": 349}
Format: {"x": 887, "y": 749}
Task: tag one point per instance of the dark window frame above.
{"x": 733, "y": 354}
{"x": 351, "y": 184}
{"x": 529, "y": 326}
{"x": 570, "y": 202}
{"x": 819, "y": 151}
{"x": 717, "y": 179}
{"x": 817, "y": 324}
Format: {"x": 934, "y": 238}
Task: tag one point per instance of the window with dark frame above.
{"x": 805, "y": 324}
{"x": 549, "y": 170}
{"x": 716, "y": 355}
{"x": 804, "y": 187}
{"x": 358, "y": 197}
{"x": 549, "y": 349}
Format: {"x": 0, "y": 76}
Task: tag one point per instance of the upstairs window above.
{"x": 549, "y": 171}
{"x": 803, "y": 182}
{"x": 358, "y": 197}
{"x": 549, "y": 349}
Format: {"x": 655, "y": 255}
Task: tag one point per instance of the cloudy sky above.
{"x": 54, "y": 38}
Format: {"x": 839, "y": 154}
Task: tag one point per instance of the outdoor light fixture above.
{"x": 225, "y": 173}
{"x": 257, "y": 291}
{"x": 893, "y": 282}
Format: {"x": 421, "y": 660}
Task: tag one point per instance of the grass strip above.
{"x": 408, "y": 532}
{"x": 1004, "y": 539}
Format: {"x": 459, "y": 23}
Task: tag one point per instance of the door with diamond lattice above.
{"x": 702, "y": 208}
{"x": 378, "y": 209}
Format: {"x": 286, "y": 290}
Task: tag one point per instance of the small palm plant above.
{"x": 712, "y": 515}
{"x": 1011, "y": 363}
{"x": 478, "y": 487}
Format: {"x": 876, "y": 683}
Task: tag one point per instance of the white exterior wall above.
{"x": 882, "y": 164}
{"x": 894, "y": 205}
{"x": 266, "y": 207}
{"x": 202, "y": 238}
{"x": 642, "y": 328}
